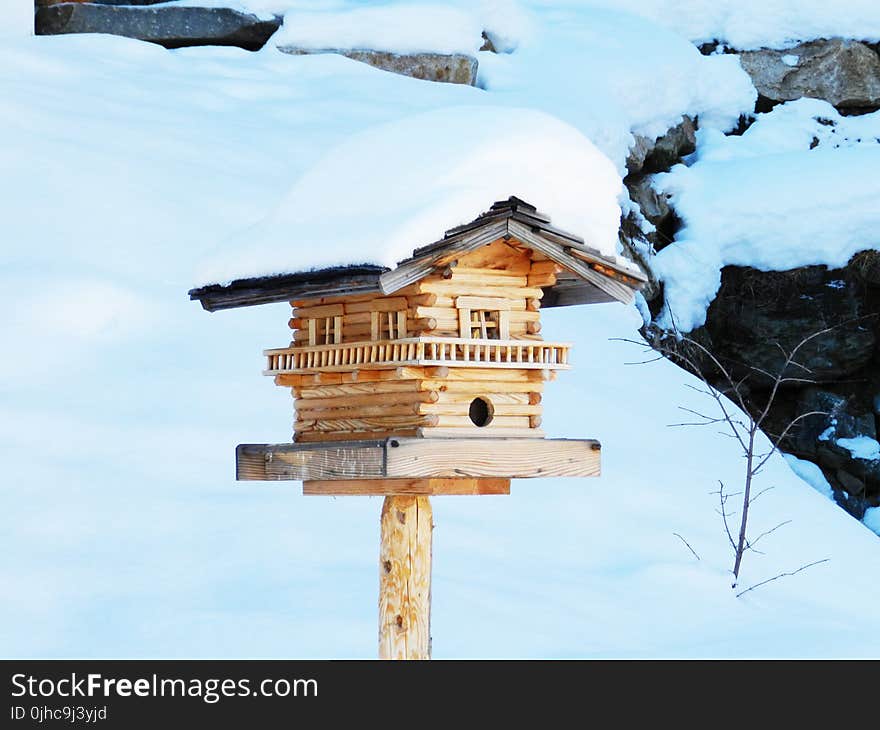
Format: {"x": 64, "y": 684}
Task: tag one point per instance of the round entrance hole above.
{"x": 480, "y": 412}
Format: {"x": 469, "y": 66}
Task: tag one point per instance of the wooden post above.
{"x": 405, "y": 578}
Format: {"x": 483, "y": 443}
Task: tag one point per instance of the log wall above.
{"x": 414, "y": 401}
{"x": 499, "y": 279}
{"x": 428, "y": 307}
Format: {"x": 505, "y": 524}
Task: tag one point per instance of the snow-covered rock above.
{"x": 658, "y": 154}
{"x": 843, "y": 72}
{"x": 450, "y": 68}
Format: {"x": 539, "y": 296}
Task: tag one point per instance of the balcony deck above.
{"x": 419, "y": 351}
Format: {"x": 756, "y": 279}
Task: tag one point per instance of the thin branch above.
{"x": 761, "y": 492}
{"x": 770, "y": 531}
{"x": 781, "y": 575}
{"x": 687, "y": 544}
{"x": 784, "y": 433}
{"x": 723, "y": 499}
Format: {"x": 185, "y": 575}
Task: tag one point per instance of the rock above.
{"x": 654, "y": 205}
{"x": 169, "y": 26}
{"x": 757, "y": 315}
{"x": 45, "y": 3}
{"x": 817, "y": 437}
{"x": 866, "y": 264}
{"x": 655, "y": 209}
{"x": 450, "y": 68}
{"x": 636, "y": 247}
{"x": 658, "y": 155}
{"x": 844, "y": 420}
{"x": 844, "y": 73}
{"x": 850, "y": 484}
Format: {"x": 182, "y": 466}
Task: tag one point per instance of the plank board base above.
{"x": 404, "y": 487}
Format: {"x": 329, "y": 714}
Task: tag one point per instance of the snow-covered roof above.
{"x": 589, "y": 275}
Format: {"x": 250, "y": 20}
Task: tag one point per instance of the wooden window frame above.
{"x": 489, "y": 311}
{"x": 392, "y": 322}
{"x": 329, "y": 332}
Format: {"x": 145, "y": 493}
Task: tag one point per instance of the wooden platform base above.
{"x": 417, "y": 466}
{"x": 412, "y": 487}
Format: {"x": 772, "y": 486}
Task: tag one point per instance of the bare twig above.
{"x": 781, "y": 575}
{"x": 768, "y": 532}
{"x": 687, "y": 544}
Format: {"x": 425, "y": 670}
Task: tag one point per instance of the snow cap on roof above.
{"x": 394, "y": 187}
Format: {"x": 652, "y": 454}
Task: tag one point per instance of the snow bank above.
{"x": 811, "y": 474}
{"x": 385, "y": 191}
{"x": 611, "y": 73}
{"x": 17, "y": 18}
{"x": 861, "y": 447}
{"x": 404, "y": 28}
{"x": 767, "y": 200}
{"x": 871, "y": 519}
{"x": 748, "y": 24}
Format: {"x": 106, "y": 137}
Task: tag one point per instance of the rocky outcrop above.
{"x": 450, "y": 68}
{"x": 757, "y": 315}
{"x": 169, "y": 26}
{"x": 843, "y": 72}
{"x": 657, "y": 155}
{"x": 45, "y": 3}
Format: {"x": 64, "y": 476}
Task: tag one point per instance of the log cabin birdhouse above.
{"x": 427, "y": 379}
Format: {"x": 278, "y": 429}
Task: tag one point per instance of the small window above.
{"x": 388, "y": 325}
{"x": 483, "y": 318}
{"x": 324, "y": 330}
{"x": 484, "y": 324}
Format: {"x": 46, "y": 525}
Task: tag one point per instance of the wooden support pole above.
{"x": 405, "y": 578}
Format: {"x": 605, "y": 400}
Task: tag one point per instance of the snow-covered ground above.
{"x": 126, "y": 168}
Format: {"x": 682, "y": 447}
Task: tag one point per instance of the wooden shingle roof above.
{"x": 588, "y": 277}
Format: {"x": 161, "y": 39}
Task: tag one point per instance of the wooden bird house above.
{"x": 427, "y": 379}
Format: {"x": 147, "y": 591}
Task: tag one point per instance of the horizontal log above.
{"x": 415, "y": 372}
{"x": 323, "y": 310}
{"x": 437, "y": 434}
{"x": 504, "y": 274}
{"x": 495, "y": 303}
{"x": 497, "y": 423}
{"x": 367, "y": 487}
{"x": 305, "y": 413}
{"x": 441, "y": 314}
{"x": 496, "y": 398}
{"x": 478, "y": 387}
{"x": 354, "y": 400}
{"x": 487, "y": 277}
{"x": 336, "y": 299}
{"x": 425, "y": 300}
{"x": 355, "y": 389}
{"x": 316, "y": 437}
{"x": 542, "y": 280}
{"x": 383, "y": 304}
{"x": 422, "y": 324}
{"x": 499, "y": 409}
{"x": 441, "y": 286}
{"x": 365, "y": 423}
{"x": 410, "y": 458}
{"x": 545, "y": 267}
{"x": 517, "y": 375}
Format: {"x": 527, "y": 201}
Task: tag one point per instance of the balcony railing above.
{"x": 430, "y": 351}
